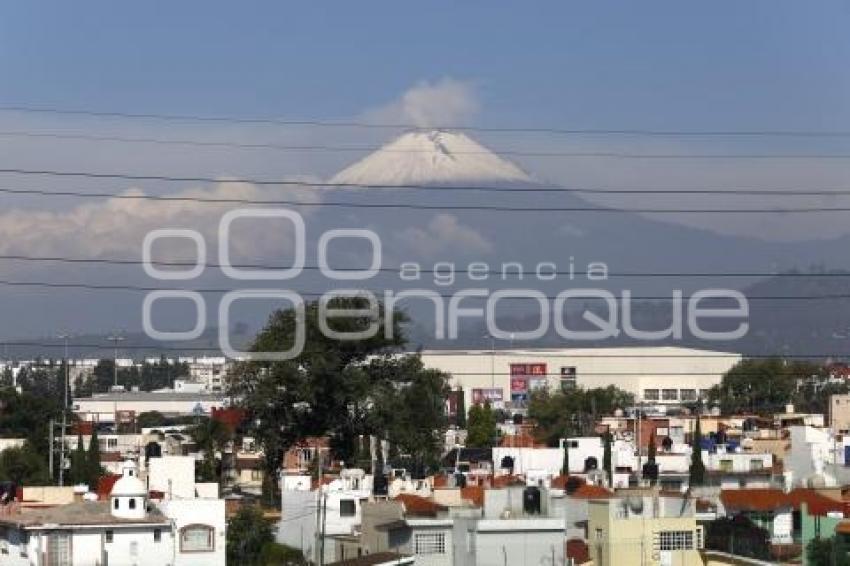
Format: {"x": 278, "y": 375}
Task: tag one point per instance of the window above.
{"x": 108, "y": 536}
{"x": 703, "y": 393}
{"x": 688, "y": 394}
{"x": 157, "y": 535}
{"x": 59, "y": 549}
{"x": 197, "y": 538}
{"x": 650, "y": 394}
{"x": 568, "y": 378}
{"x": 725, "y": 465}
{"x": 256, "y": 475}
{"x": 115, "y": 503}
{"x": 112, "y": 443}
{"x": 347, "y": 508}
{"x": 676, "y": 540}
{"x": 756, "y": 465}
{"x": 429, "y": 543}
{"x": 669, "y": 394}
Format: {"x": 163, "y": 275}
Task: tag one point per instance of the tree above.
{"x": 565, "y": 466}
{"x": 210, "y": 436}
{"x": 571, "y": 413}
{"x": 607, "y": 464}
{"x": 247, "y": 532}
{"x": 482, "y": 428}
{"x": 827, "y": 552}
{"x": 79, "y": 463}
{"x": 651, "y": 449}
{"x": 23, "y": 465}
{"x": 150, "y": 419}
{"x": 696, "y": 475}
{"x": 341, "y": 388}
{"x": 761, "y": 386}
{"x": 93, "y": 469}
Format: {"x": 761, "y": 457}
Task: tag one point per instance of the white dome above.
{"x": 129, "y": 494}
{"x": 129, "y": 484}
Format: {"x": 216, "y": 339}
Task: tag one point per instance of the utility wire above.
{"x": 489, "y": 208}
{"x": 143, "y": 288}
{"x": 29, "y": 109}
{"x": 532, "y": 188}
{"x": 398, "y": 269}
{"x": 322, "y": 148}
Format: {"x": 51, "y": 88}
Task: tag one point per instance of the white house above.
{"x": 340, "y": 502}
{"x": 127, "y": 529}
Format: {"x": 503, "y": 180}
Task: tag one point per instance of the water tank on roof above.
{"x": 531, "y": 500}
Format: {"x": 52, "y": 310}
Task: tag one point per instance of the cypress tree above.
{"x": 697, "y": 469}
{"x": 606, "y": 458}
{"x": 93, "y": 469}
{"x": 79, "y": 463}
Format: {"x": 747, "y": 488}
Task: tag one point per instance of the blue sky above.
{"x": 758, "y": 64}
{"x": 727, "y": 65}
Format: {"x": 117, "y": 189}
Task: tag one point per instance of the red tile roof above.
{"x": 104, "y": 485}
{"x": 769, "y": 499}
{"x": 415, "y": 505}
{"x": 588, "y": 491}
{"x": 474, "y": 494}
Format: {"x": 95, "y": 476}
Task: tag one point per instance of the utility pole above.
{"x": 115, "y": 339}
{"x": 52, "y": 448}
{"x": 64, "y": 336}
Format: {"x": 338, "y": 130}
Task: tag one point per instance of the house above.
{"x": 776, "y": 511}
{"x": 644, "y": 529}
{"x": 128, "y": 528}
{"x": 334, "y": 506}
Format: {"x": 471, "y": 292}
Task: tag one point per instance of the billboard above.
{"x": 493, "y": 395}
{"x": 526, "y": 378}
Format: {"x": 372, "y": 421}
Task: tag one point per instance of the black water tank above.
{"x": 508, "y": 463}
{"x": 650, "y": 471}
{"x": 380, "y": 485}
{"x": 590, "y": 464}
{"x": 152, "y": 450}
{"x": 531, "y": 500}
{"x": 460, "y": 480}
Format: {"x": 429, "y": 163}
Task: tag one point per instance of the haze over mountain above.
{"x": 435, "y": 171}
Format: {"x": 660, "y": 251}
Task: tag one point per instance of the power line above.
{"x": 398, "y": 269}
{"x": 27, "y": 109}
{"x": 323, "y": 148}
{"x": 532, "y": 188}
{"x": 488, "y": 208}
{"x": 143, "y": 288}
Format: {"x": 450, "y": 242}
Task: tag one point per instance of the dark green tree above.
{"x": 333, "y": 387}
{"x": 79, "y": 463}
{"x": 210, "y": 437}
{"x": 827, "y": 552}
{"x": 572, "y": 413}
{"x": 696, "y": 475}
{"x": 762, "y": 386}
{"x": 651, "y": 450}
{"x": 24, "y": 466}
{"x": 565, "y": 466}
{"x": 482, "y": 429}
{"x": 247, "y": 533}
{"x": 93, "y": 468}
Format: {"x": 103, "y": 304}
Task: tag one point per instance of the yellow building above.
{"x": 644, "y": 530}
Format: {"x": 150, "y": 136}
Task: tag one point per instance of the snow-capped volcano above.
{"x": 431, "y": 158}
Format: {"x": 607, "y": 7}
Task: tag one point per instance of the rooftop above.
{"x": 83, "y": 513}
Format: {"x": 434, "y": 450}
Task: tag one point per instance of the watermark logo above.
{"x": 615, "y": 320}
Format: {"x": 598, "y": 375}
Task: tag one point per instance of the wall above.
{"x": 198, "y": 511}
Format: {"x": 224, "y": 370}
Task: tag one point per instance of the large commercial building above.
{"x": 657, "y": 375}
